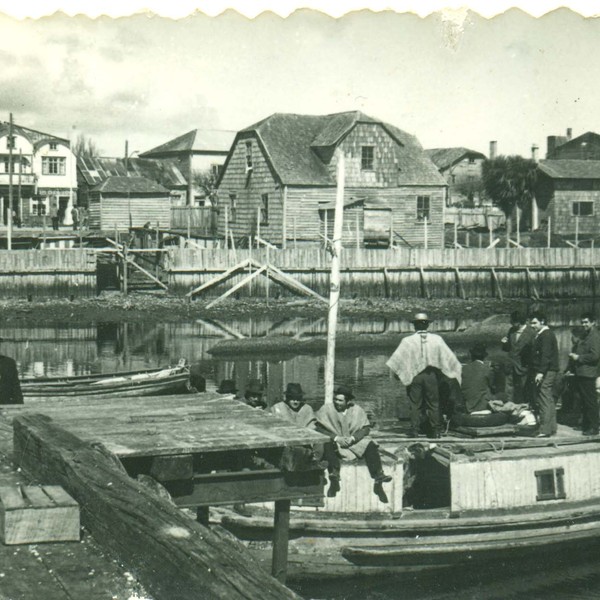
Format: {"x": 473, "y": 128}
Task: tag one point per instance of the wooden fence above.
{"x": 195, "y": 218}
{"x": 50, "y": 273}
{"x": 404, "y": 272}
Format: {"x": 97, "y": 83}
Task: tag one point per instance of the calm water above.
{"x": 108, "y": 347}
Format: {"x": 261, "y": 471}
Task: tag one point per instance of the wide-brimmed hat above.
{"x": 344, "y": 390}
{"x": 478, "y": 351}
{"x": 254, "y": 388}
{"x": 293, "y": 391}
{"x": 227, "y": 386}
{"x": 421, "y": 317}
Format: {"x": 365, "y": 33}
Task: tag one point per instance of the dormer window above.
{"x": 367, "y": 159}
{"x": 248, "y": 156}
{"x": 53, "y": 146}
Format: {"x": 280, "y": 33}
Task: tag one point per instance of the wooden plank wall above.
{"x": 406, "y": 272}
{"x": 197, "y": 217}
{"x": 55, "y": 273}
{"x": 512, "y": 483}
{"x": 115, "y": 212}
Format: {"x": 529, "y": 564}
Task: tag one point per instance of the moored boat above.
{"x": 452, "y": 502}
{"x": 150, "y": 382}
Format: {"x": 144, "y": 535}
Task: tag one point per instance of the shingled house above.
{"x": 280, "y": 179}
{"x": 461, "y": 168}
{"x": 584, "y": 147}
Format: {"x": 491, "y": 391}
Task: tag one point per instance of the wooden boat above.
{"x": 149, "y": 382}
{"x": 472, "y": 501}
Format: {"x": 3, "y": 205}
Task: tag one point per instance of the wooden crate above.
{"x": 31, "y": 515}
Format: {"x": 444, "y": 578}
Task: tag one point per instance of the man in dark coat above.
{"x": 518, "y": 342}
{"x": 10, "y": 388}
{"x": 477, "y": 381}
{"x": 584, "y": 360}
{"x": 544, "y": 369}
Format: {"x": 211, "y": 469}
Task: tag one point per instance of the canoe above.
{"x": 477, "y": 502}
{"x": 149, "y": 382}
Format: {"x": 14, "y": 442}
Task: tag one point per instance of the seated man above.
{"x": 477, "y": 381}
{"x": 294, "y": 409}
{"x": 227, "y": 386}
{"x": 254, "y": 395}
{"x": 348, "y": 427}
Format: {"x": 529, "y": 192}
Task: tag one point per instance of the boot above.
{"x": 334, "y": 486}
{"x": 383, "y": 478}
{"x": 379, "y": 492}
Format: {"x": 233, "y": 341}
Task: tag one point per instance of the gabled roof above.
{"x": 196, "y": 140}
{"x": 134, "y": 185}
{"x": 447, "y": 157}
{"x": 570, "y": 169}
{"x": 295, "y": 145}
{"x": 164, "y": 171}
{"x": 579, "y": 142}
{"x": 30, "y": 134}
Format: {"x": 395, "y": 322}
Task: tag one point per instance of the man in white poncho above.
{"x": 417, "y": 362}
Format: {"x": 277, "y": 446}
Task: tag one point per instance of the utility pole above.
{"x": 11, "y": 143}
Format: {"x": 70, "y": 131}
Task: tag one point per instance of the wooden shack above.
{"x": 123, "y": 202}
{"x": 281, "y": 172}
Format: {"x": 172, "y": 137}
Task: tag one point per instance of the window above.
{"x": 423, "y": 208}
{"x": 53, "y": 165}
{"x": 53, "y": 145}
{"x": 367, "y": 158}
{"x": 264, "y": 209}
{"x": 248, "y": 156}
{"x": 6, "y": 165}
{"x": 215, "y": 171}
{"x": 550, "y": 484}
{"x": 232, "y": 207}
{"x": 39, "y": 206}
{"x": 583, "y": 209}
{"x": 471, "y": 161}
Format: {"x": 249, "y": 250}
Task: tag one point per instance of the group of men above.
{"x": 423, "y": 362}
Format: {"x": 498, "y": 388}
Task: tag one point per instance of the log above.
{"x": 173, "y": 556}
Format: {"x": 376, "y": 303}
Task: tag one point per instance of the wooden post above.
{"x": 125, "y": 269}
{"x": 577, "y": 230}
{"x": 10, "y": 184}
{"x": 490, "y": 230}
{"x": 157, "y": 234}
{"x": 268, "y": 282}
{"x": 294, "y": 232}
{"x": 391, "y": 229}
{"x": 518, "y": 226}
{"x": 226, "y": 225}
{"x": 326, "y": 229}
{"x": 284, "y": 223}
{"x": 467, "y": 239}
{"x": 334, "y": 284}
{"x": 455, "y": 233}
{"x": 257, "y": 225}
{"x": 357, "y": 231}
{"x": 189, "y": 224}
{"x": 425, "y": 232}
{"x": 281, "y": 527}
{"x": 549, "y": 231}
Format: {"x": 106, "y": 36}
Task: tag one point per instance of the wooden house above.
{"x": 279, "y": 182}
{"x": 568, "y": 194}
{"x": 123, "y": 202}
{"x": 582, "y": 147}
{"x": 461, "y": 168}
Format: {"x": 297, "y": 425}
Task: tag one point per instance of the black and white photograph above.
{"x": 299, "y": 300}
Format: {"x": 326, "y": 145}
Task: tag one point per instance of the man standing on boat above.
{"x": 518, "y": 342}
{"x": 584, "y": 360}
{"x": 543, "y": 373}
{"x": 10, "y": 388}
{"x": 417, "y": 362}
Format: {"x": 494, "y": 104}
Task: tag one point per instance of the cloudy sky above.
{"x": 452, "y": 78}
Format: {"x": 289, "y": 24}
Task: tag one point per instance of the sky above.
{"x": 451, "y": 77}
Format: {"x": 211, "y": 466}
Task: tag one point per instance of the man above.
{"x": 518, "y": 343}
{"x": 477, "y": 381}
{"x": 348, "y": 427}
{"x": 584, "y": 360}
{"x": 417, "y": 362}
{"x": 544, "y": 368}
{"x": 254, "y": 394}
{"x": 294, "y": 409}
{"x": 10, "y": 388}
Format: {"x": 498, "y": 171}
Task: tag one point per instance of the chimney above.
{"x": 534, "y": 152}
{"x": 569, "y": 133}
{"x": 551, "y": 146}
{"x": 493, "y": 149}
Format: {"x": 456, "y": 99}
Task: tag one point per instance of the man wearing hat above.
{"x": 294, "y": 409}
{"x": 348, "y": 427}
{"x": 417, "y": 361}
{"x": 10, "y": 388}
{"x": 227, "y": 386}
{"x": 477, "y": 381}
{"x": 254, "y": 394}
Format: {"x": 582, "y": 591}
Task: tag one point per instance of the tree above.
{"x": 509, "y": 181}
{"x": 206, "y": 180}
{"x": 85, "y": 147}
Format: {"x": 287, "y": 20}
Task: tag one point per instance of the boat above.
{"x": 453, "y": 501}
{"x": 148, "y": 382}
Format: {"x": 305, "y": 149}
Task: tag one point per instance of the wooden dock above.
{"x": 118, "y": 458}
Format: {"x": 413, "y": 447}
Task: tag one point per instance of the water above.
{"x": 107, "y": 347}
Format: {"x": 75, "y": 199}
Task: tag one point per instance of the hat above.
{"x": 421, "y": 316}
{"x": 294, "y": 392}
{"x": 254, "y": 388}
{"x": 227, "y": 386}
{"x": 344, "y": 390}
{"x": 478, "y": 351}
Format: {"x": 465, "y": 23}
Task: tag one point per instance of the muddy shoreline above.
{"x": 116, "y": 307}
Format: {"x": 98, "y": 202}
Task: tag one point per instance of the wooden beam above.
{"x": 496, "y": 284}
{"x": 281, "y": 528}
{"x": 532, "y": 290}
{"x": 424, "y": 290}
{"x": 219, "y": 278}
{"x": 146, "y": 273}
{"x": 237, "y": 286}
{"x": 283, "y": 279}
{"x": 459, "y": 284}
{"x": 173, "y": 556}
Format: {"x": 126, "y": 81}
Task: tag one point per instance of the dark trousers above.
{"x": 586, "y": 387}
{"x": 54, "y": 222}
{"x": 371, "y": 457}
{"x": 424, "y": 396}
{"x": 520, "y": 388}
{"x": 545, "y": 405}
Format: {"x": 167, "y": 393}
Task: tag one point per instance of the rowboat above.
{"x": 452, "y": 502}
{"x": 149, "y": 382}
